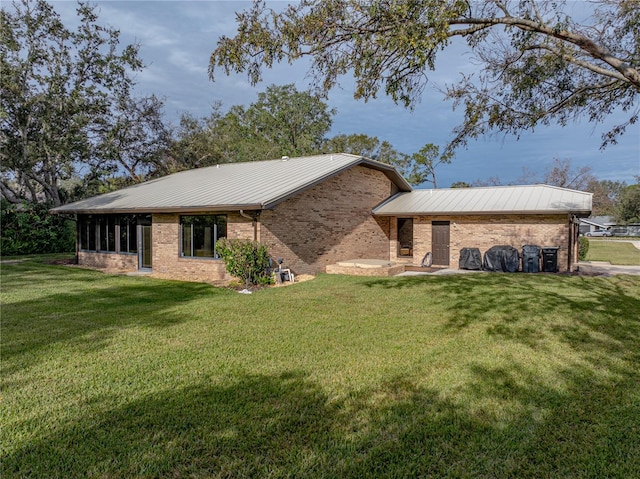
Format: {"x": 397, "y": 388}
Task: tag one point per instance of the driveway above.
{"x": 606, "y": 269}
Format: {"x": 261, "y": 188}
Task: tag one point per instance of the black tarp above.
{"x": 531, "y": 258}
{"x": 470, "y": 258}
{"x": 502, "y": 258}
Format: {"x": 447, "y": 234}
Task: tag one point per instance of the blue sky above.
{"x": 177, "y": 38}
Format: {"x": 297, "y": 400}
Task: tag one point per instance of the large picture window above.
{"x": 200, "y": 233}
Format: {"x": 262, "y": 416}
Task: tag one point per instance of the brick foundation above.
{"x": 112, "y": 262}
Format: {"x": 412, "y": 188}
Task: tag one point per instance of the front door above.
{"x": 144, "y": 258}
{"x": 440, "y": 243}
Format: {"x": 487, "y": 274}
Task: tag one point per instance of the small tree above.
{"x": 245, "y": 259}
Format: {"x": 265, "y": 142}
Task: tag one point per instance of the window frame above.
{"x": 127, "y": 224}
{"x": 188, "y": 232}
{"x": 103, "y": 233}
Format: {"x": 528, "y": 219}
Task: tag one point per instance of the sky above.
{"x": 177, "y": 38}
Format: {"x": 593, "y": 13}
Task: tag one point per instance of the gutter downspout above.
{"x": 254, "y": 219}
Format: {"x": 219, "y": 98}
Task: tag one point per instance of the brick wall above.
{"x": 166, "y": 261}
{"x": 485, "y": 231}
{"x": 330, "y": 222}
{"x": 114, "y": 262}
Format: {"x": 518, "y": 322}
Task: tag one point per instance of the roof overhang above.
{"x": 176, "y": 209}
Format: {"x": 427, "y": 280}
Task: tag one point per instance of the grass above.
{"x": 484, "y": 375}
{"x": 616, "y": 252}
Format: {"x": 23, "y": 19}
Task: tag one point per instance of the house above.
{"x": 313, "y": 211}
{"x": 599, "y": 223}
{"x": 596, "y": 223}
{"x": 444, "y": 221}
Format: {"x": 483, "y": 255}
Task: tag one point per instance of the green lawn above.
{"x": 481, "y": 375}
{"x": 616, "y": 252}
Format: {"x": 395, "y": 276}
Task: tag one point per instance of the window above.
{"x": 107, "y": 233}
{"x": 128, "y": 234}
{"x": 200, "y": 233}
{"x": 87, "y": 233}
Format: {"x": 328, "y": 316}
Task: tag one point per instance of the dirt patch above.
{"x": 64, "y": 262}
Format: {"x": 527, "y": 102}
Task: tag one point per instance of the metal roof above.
{"x": 229, "y": 186}
{"x": 531, "y": 199}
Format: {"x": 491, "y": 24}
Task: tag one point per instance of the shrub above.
{"x": 30, "y": 229}
{"x": 583, "y": 248}
{"x": 245, "y": 259}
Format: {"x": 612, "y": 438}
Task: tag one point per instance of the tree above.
{"x": 564, "y": 175}
{"x": 367, "y": 146}
{"x": 629, "y": 207}
{"x": 421, "y": 166}
{"x": 66, "y": 102}
{"x": 293, "y": 121}
{"x": 537, "y": 64}
{"x": 282, "y": 122}
{"x": 135, "y": 139}
{"x": 606, "y": 196}
{"x": 197, "y": 142}
{"x": 461, "y": 184}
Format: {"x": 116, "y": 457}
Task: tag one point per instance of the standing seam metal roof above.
{"x": 252, "y": 185}
{"x": 504, "y": 199}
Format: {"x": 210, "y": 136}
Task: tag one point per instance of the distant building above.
{"x": 607, "y": 223}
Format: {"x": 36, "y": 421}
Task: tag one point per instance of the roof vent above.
{"x": 285, "y": 158}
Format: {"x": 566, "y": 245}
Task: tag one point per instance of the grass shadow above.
{"x": 286, "y": 426}
{"x": 65, "y": 311}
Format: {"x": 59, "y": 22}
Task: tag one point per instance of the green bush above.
{"x": 583, "y": 248}
{"x": 30, "y": 229}
{"x": 245, "y": 259}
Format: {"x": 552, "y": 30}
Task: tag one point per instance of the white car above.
{"x": 598, "y": 233}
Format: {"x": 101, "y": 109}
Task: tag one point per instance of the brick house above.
{"x": 312, "y": 211}
{"x": 444, "y": 221}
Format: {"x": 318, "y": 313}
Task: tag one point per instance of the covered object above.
{"x": 502, "y": 258}
{"x": 531, "y": 258}
{"x": 470, "y": 258}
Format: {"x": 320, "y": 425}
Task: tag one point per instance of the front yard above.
{"x": 483, "y": 375}
{"x": 614, "y": 251}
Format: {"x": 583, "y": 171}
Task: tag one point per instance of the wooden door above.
{"x": 440, "y": 243}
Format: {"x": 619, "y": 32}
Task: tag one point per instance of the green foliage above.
{"x": 282, "y": 122}
{"x": 245, "y": 259}
{"x": 583, "y": 248}
{"x": 606, "y": 196}
{"x": 421, "y": 166}
{"x": 629, "y": 206}
{"x": 364, "y": 145}
{"x": 67, "y": 103}
{"x": 537, "y": 64}
{"x": 31, "y": 229}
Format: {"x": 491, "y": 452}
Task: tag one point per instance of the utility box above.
{"x": 530, "y": 258}
{"x": 550, "y": 260}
